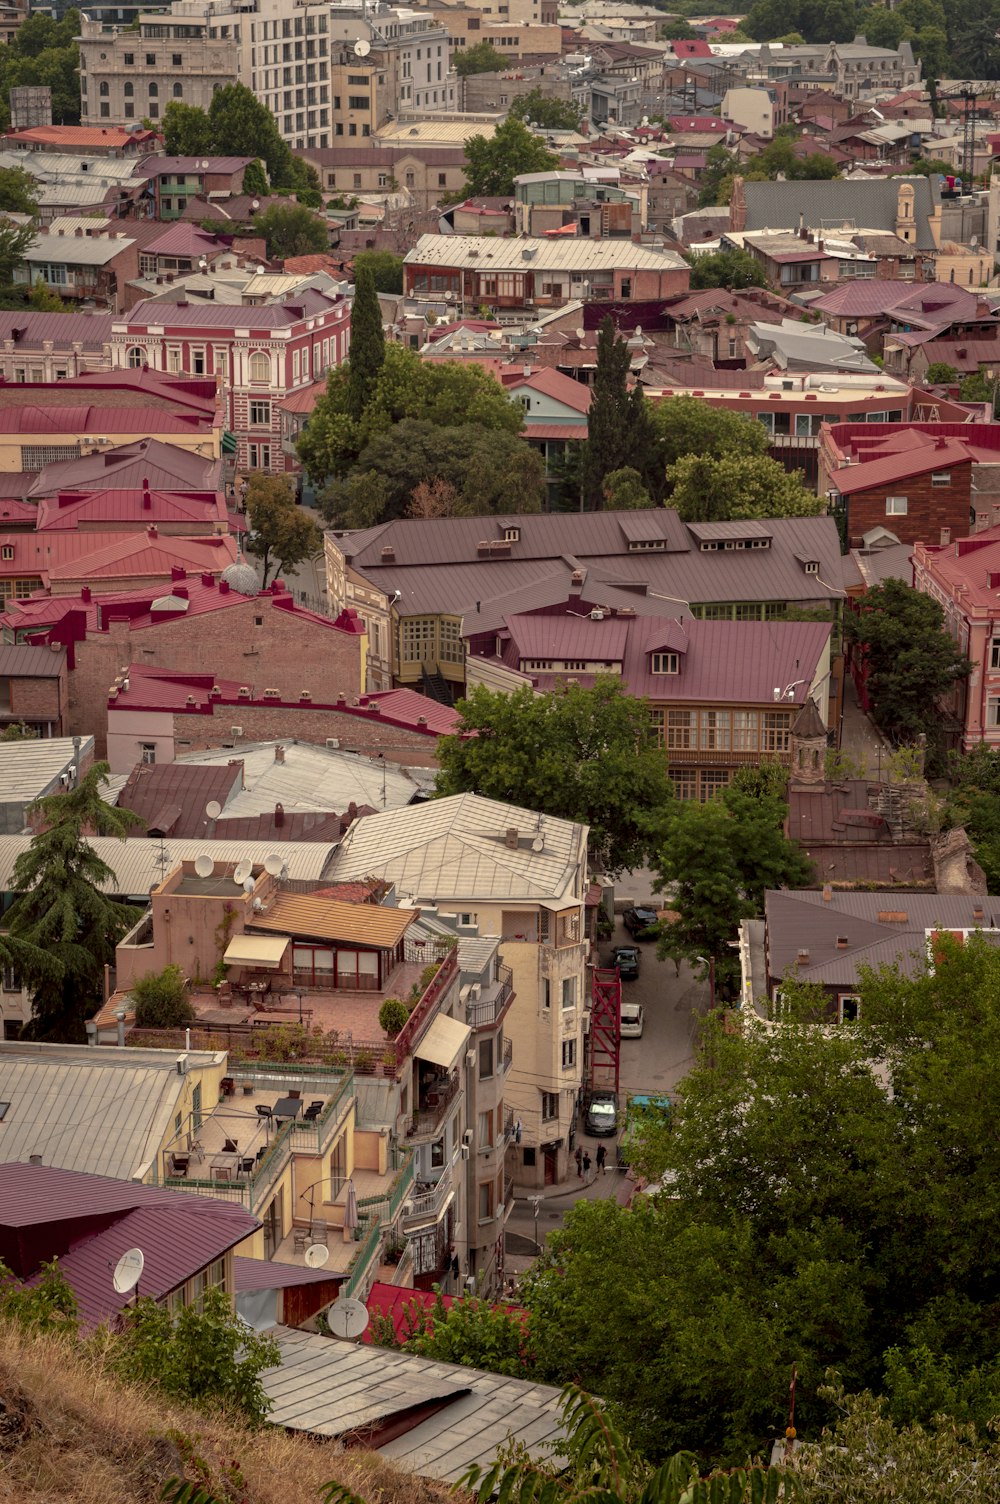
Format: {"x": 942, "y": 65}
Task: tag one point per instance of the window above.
{"x": 774, "y": 736}
{"x": 451, "y": 641}
{"x": 260, "y": 366}
{"x": 7, "y": 552}
{"x": 568, "y": 1054}
{"x": 178, "y": 61}
{"x": 154, "y": 90}
{"x": 173, "y": 359}
{"x": 679, "y": 727}
{"x": 569, "y": 992}
{"x": 546, "y": 994}
{"x": 150, "y": 59}
{"x": 714, "y": 730}
{"x": 664, "y": 663}
{"x": 129, "y": 91}
{"x": 437, "y": 1154}
{"x": 357, "y": 101}
{"x": 848, "y": 1009}
{"x": 895, "y": 506}
{"x": 103, "y": 91}
{"x": 992, "y": 710}
{"x": 148, "y": 753}
{"x": 418, "y": 639}
{"x": 178, "y": 91}
{"x": 130, "y": 59}
{"x": 550, "y": 1106}
{"x": 941, "y": 478}
{"x": 4, "y": 1109}
{"x": 485, "y": 1130}
{"x": 260, "y": 414}
{"x": 486, "y": 1201}
{"x": 995, "y": 653}
{"x": 260, "y": 456}
{"x": 811, "y": 566}
{"x": 486, "y": 1058}
{"x": 105, "y": 112}
{"x": 656, "y": 719}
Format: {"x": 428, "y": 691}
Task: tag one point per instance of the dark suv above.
{"x": 641, "y": 923}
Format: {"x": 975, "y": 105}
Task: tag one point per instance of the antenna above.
{"x": 248, "y": 885}
{"x": 316, "y": 1256}
{"x": 213, "y": 809}
{"x": 362, "y": 48}
{"x": 243, "y": 871}
{"x": 128, "y": 1269}
{"x": 273, "y": 864}
{"x": 203, "y": 865}
{"x": 347, "y": 1317}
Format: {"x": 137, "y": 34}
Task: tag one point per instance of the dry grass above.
{"x": 69, "y": 1434}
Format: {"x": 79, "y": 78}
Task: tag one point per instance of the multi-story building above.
{"x": 545, "y": 202}
{"x": 964, "y": 577}
{"x": 914, "y": 481}
{"x": 496, "y": 872}
{"x": 409, "y": 47}
{"x": 426, "y": 176}
{"x": 43, "y": 347}
{"x": 257, "y": 355}
{"x": 127, "y": 75}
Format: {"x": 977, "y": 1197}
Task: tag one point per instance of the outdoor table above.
{"x": 288, "y": 1107}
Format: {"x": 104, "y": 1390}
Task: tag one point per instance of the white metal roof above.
{"x": 28, "y": 769}
{"x": 486, "y": 253}
{"x": 310, "y": 778}
{"x": 104, "y": 1111}
{"x": 76, "y": 250}
{"x": 137, "y": 865}
{"x": 455, "y": 848}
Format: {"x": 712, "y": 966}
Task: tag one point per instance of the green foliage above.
{"x": 386, "y": 269}
{"x": 204, "y": 1356}
{"x": 720, "y": 165}
{"x": 18, "y": 191}
{"x": 62, "y": 927}
{"x": 482, "y": 58}
{"x": 235, "y": 124}
{"x": 550, "y": 114}
{"x": 281, "y": 535}
{"x": 475, "y": 1333}
{"x": 738, "y": 486}
{"x": 492, "y": 163}
{"x": 44, "y": 300}
{"x": 588, "y": 755}
{"x": 927, "y": 168}
{"x": 14, "y": 241}
{"x": 17, "y": 731}
{"x": 291, "y": 230}
{"x": 367, "y": 342}
{"x": 716, "y": 860}
{"x": 48, "y": 1305}
{"x": 688, "y": 426}
{"x": 161, "y": 999}
{"x": 43, "y": 52}
{"x": 761, "y": 780}
{"x": 731, "y": 269}
{"x": 912, "y": 660}
{"x": 619, "y": 428}
{"x": 974, "y": 801}
{"x": 623, "y": 490}
{"x": 255, "y": 180}
{"x": 940, "y": 373}
{"x": 392, "y": 1016}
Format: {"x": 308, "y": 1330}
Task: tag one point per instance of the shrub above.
{"x": 161, "y": 1000}
{"x": 392, "y": 1016}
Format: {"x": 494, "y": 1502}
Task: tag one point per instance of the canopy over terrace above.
{"x": 262, "y": 952}
{"x": 352, "y": 946}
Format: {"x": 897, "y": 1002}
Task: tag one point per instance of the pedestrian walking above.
{"x": 579, "y": 1163}
{"x": 586, "y": 1164}
{"x": 602, "y": 1157}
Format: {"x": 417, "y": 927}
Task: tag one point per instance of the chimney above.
{"x": 85, "y": 595}
{"x": 177, "y": 572}
{"x": 152, "y": 533}
{"x": 512, "y": 838}
{"x": 945, "y": 536}
{"x": 940, "y": 442}
{"x": 147, "y": 500}
{"x": 352, "y": 810}
{"x": 207, "y": 578}
{"x": 978, "y": 913}
{"x": 802, "y": 956}
{"x": 223, "y": 587}
{"x": 279, "y": 811}
{"x": 827, "y": 892}
{"x": 279, "y": 753}
{"x": 842, "y": 942}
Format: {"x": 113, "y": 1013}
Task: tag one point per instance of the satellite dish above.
{"x": 316, "y": 1256}
{"x": 273, "y": 864}
{"x": 128, "y": 1269}
{"x": 243, "y": 871}
{"x": 538, "y": 844}
{"x": 203, "y": 865}
{"x": 362, "y": 48}
{"x": 249, "y": 885}
{"x": 580, "y": 333}
{"x": 213, "y": 809}
{"x": 261, "y": 270}
{"x": 347, "y": 1317}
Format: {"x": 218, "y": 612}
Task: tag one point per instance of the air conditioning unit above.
{"x": 236, "y": 730}
{"x": 465, "y": 1151}
{"x": 470, "y": 1058}
{"x": 333, "y": 743}
{"x": 586, "y": 1023}
{"x": 467, "y": 1136}
{"x": 182, "y": 1065}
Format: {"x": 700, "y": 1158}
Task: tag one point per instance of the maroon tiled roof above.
{"x": 182, "y": 239}
{"x": 943, "y": 299}
{"x": 885, "y": 471}
{"x": 266, "y": 1274}
{"x": 291, "y": 825}
{"x": 28, "y": 329}
{"x": 72, "y": 509}
{"x": 297, "y": 307}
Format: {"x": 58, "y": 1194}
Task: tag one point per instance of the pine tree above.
{"x": 367, "y": 341}
{"x": 619, "y": 432}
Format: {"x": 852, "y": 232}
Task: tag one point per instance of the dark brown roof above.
{"x": 171, "y": 797}
{"x": 808, "y": 724}
{"x": 19, "y": 661}
{"x": 295, "y": 825}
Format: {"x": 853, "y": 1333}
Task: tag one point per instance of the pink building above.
{"x": 964, "y": 577}
{"x": 258, "y": 355}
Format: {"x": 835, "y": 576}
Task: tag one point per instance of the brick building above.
{"x": 257, "y": 356}
{"x": 153, "y": 714}
{"x": 34, "y": 688}
{"x": 256, "y": 640}
{"x": 920, "y": 491}
{"x": 964, "y": 578}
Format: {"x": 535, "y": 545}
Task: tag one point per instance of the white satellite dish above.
{"x": 243, "y": 871}
{"x": 249, "y": 885}
{"x": 317, "y": 1255}
{"x": 261, "y": 270}
{"x": 538, "y": 844}
{"x": 273, "y": 864}
{"x": 127, "y": 1271}
{"x": 347, "y": 1317}
{"x": 203, "y": 865}
{"x": 213, "y": 809}
{"x": 362, "y": 48}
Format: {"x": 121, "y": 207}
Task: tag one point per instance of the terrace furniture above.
{"x": 312, "y": 1112}
{"x": 287, "y": 1107}
{"x": 296, "y": 1094}
{"x": 247, "y": 1165}
{"x": 300, "y": 1239}
{"x": 264, "y": 1113}
{"x": 227, "y": 1086}
{"x": 179, "y": 1164}
{"x": 319, "y": 1232}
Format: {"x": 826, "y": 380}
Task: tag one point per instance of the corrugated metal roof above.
{"x": 151, "y": 789}
{"x": 267, "y": 1274}
{"x": 20, "y": 661}
{"x": 484, "y": 253}
{"x": 28, "y": 769}
{"x": 136, "y": 862}
{"x": 308, "y": 304}
{"x": 871, "y": 205}
{"x": 877, "y": 473}
{"x": 105, "y": 1111}
{"x": 311, "y": 778}
{"x": 76, "y": 250}
{"x": 92, "y": 330}
{"x": 329, "y": 919}
{"x": 164, "y": 466}
{"x": 333, "y": 1388}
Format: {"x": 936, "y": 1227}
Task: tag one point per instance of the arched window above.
{"x": 154, "y": 90}
{"x": 178, "y": 91}
{"x": 129, "y": 91}
{"x": 260, "y": 366}
{"x": 103, "y": 91}
{"x": 136, "y": 357}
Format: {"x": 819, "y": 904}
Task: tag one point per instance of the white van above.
{"x": 631, "y": 1020}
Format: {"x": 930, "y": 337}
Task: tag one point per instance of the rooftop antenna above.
{"x": 162, "y": 859}
{"x": 243, "y": 871}
{"x": 203, "y": 865}
{"x": 213, "y": 809}
{"x": 347, "y": 1318}
{"x": 127, "y": 1271}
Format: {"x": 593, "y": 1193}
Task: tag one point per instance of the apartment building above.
{"x": 127, "y": 75}
{"x": 964, "y": 577}
{"x": 496, "y": 872}
{"x": 426, "y": 175}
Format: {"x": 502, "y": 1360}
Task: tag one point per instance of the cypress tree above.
{"x": 367, "y": 341}
{"x": 618, "y": 427}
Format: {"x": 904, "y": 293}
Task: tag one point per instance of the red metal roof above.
{"x": 84, "y": 418}
{"x": 140, "y": 554}
{"x": 71, "y": 509}
{"x": 296, "y": 308}
{"x": 150, "y": 462}
{"x": 68, "y": 136}
{"x": 406, "y": 707}
{"x": 267, "y": 1274}
{"x": 552, "y": 383}
{"x": 877, "y": 473}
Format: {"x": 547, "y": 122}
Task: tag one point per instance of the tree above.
{"x": 476, "y": 1333}
{"x": 736, "y": 486}
{"x": 911, "y": 661}
{"x": 187, "y": 130}
{"x": 392, "y": 1016}
{"x": 367, "y": 354}
{"x": 482, "y": 58}
{"x": 927, "y": 168}
{"x": 44, "y": 300}
{"x": 254, "y": 179}
{"x": 204, "y": 1355}
{"x": 291, "y": 230}
{"x": 619, "y": 432}
{"x": 541, "y": 109}
{"x": 18, "y": 731}
{"x": 62, "y": 925}
{"x": 493, "y": 162}
{"x": 161, "y": 1000}
{"x": 940, "y": 373}
{"x": 720, "y": 165}
{"x": 588, "y": 755}
{"x": 386, "y": 269}
{"x": 687, "y": 425}
{"x": 14, "y": 241}
{"x": 974, "y": 801}
{"x": 281, "y": 535}
{"x": 716, "y": 860}
{"x": 624, "y": 491}
{"x": 18, "y": 191}
{"x": 731, "y": 269}
{"x": 235, "y": 124}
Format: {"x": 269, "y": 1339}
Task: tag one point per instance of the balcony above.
{"x": 507, "y": 1057}
{"x": 434, "y": 1104}
{"x": 492, "y": 1001}
{"x": 426, "y": 1206}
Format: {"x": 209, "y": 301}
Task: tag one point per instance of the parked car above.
{"x": 626, "y": 958}
{"x": 632, "y": 1020}
{"x": 641, "y": 923}
{"x": 639, "y": 1110}
{"x": 602, "y": 1114}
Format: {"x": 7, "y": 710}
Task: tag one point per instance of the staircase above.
{"x": 435, "y": 686}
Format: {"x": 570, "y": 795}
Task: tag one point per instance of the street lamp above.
{"x": 535, "y": 1203}
{"x": 709, "y": 961}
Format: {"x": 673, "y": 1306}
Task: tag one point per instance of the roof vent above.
{"x": 892, "y": 916}
{"x": 512, "y": 838}
{"x": 802, "y": 956}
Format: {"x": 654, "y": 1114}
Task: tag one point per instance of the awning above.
{"x": 264, "y": 951}
{"x": 228, "y": 442}
{"x": 444, "y": 1042}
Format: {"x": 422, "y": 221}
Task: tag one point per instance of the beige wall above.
{"x": 120, "y": 61}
